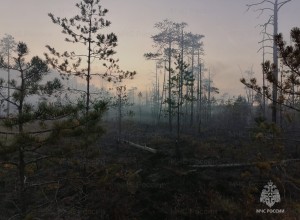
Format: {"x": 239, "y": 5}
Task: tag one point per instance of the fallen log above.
{"x": 224, "y": 165}
{"x": 154, "y": 151}
{"x": 240, "y": 165}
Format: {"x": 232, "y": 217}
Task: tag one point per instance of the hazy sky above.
{"x": 230, "y": 43}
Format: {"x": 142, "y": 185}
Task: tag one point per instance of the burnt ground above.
{"x": 143, "y": 185}
{"x": 121, "y": 182}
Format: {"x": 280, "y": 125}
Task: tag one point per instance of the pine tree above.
{"x": 288, "y": 86}
{"x": 28, "y": 127}
{"x": 86, "y": 30}
{"x": 177, "y": 85}
{"x": 165, "y": 41}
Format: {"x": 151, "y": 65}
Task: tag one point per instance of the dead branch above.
{"x": 139, "y": 146}
{"x": 241, "y": 165}
{"x": 42, "y": 184}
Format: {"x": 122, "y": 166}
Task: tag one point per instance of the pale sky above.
{"x": 231, "y": 37}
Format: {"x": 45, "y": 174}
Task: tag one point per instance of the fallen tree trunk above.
{"x": 239, "y": 165}
{"x": 154, "y": 151}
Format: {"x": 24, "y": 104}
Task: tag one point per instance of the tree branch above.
{"x": 282, "y": 4}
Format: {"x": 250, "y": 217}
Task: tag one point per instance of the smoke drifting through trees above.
{"x": 177, "y": 150}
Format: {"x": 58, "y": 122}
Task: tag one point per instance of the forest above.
{"x": 180, "y": 149}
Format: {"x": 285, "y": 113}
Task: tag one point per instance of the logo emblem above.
{"x": 270, "y": 194}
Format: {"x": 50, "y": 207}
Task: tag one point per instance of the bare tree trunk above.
{"x": 156, "y": 96}
{"x": 162, "y": 93}
{"x": 281, "y": 107}
{"x": 275, "y": 62}
{"x": 8, "y": 85}
{"x": 264, "y": 80}
{"x": 198, "y": 89}
{"x": 209, "y": 101}
{"x": 178, "y": 153}
{"x": 21, "y": 150}
{"x": 140, "y": 107}
{"x": 170, "y": 94}
{"x": 88, "y": 77}
{"x": 192, "y": 91}
{"x": 120, "y": 114}
{"x": 200, "y": 93}
{"x": 186, "y": 103}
